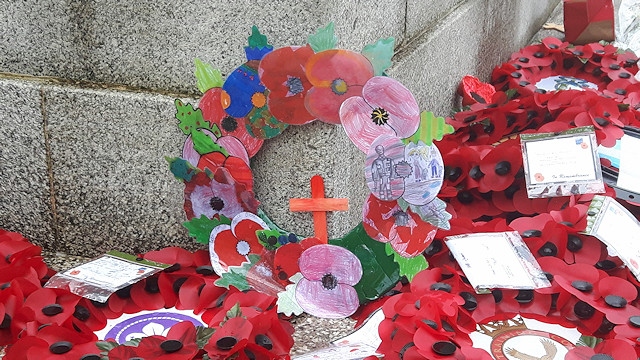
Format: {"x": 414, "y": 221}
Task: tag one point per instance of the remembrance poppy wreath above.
{"x": 471, "y": 182}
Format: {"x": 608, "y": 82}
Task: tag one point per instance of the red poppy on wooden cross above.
{"x": 319, "y": 205}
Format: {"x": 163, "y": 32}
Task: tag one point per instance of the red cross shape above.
{"x": 319, "y": 205}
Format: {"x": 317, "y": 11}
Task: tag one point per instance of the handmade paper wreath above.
{"x": 291, "y": 86}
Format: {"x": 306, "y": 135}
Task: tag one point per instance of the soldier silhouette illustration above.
{"x": 382, "y": 173}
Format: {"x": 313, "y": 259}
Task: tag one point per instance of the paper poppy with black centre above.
{"x": 537, "y": 55}
{"x": 54, "y": 342}
{"x": 386, "y": 107}
{"x": 282, "y": 71}
{"x": 609, "y": 349}
{"x": 473, "y": 204}
{"x": 329, "y": 274}
{"x": 285, "y": 260}
{"x": 229, "y": 338}
{"x": 615, "y": 67}
{"x": 336, "y": 75}
{"x": 89, "y": 315}
{"x": 543, "y": 236}
{"x": 474, "y": 91}
{"x": 271, "y": 334}
{"x": 212, "y": 111}
{"x": 179, "y": 343}
{"x": 51, "y": 306}
{"x": 385, "y": 221}
{"x": 614, "y": 299}
{"x": 230, "y": 245}
{"x": 500, "y": 167}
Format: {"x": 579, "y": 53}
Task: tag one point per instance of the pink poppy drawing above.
{"x": 230, "y": 245}
{"x": 386, "y": 107}
{"x": 217, "y": 195}
{"x": 326, "y": 290}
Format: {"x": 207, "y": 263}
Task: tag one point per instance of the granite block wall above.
{"x": 87, "y": 90}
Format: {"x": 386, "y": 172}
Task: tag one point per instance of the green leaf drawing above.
{"x": 204, "y": 144}
{"x": 380, "y": 274}
{"x": 380, "y": 54}
{"x": 207, "y": 77}
{"x": 409, "y": 267}
{"x": 203, "y": 334}
{"x": 323, "y": 39}
{"x": 257, "y": 40}
{"x": 200, "y": 228}
{"x": 269, "y": 239}
{"x": 431, "y": 128}
{"x": 181, "y": 168}
{"x": 190, "y": 118}
{"x": 287, "y": 303}
{"x": 237, "y": 275}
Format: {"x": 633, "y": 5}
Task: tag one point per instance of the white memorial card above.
{"x": 497, "y": 260}
{"x": 561, "y": 164}
{"x": 617, "y": 228}
{"x": 104, "y": 275}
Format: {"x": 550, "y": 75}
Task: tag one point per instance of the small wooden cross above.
{"x": 319, "y": 205}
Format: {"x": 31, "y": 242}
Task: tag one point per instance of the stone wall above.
{"x": 87, "y": 90}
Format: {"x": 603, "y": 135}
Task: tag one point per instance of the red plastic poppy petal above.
{"x": 611, "y": 285}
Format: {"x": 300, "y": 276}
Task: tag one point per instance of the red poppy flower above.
{"x": 500, "y": 166}
{"x": 608, "y": 349}
{"x": 54, "y": 342}
{"x": 180, "y": 343}
{"x": 51, "y": 306}
{"x": 229, "y": 338}
{"x": 336, "y": 75}
{"x": 282, "y": 71}
{"x": 474, "y": 91}
{"x": 231, "y": 244}
{"x": 385, "y": 221}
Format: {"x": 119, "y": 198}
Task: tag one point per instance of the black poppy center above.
{"x": 380, "y": 116}
{"x": 60, "y": 347}
{"x": 503, "y": 168}
{"x": 81, "y": 313}
{"x": 216, "y": 203}
{"x": 171, "y": 346}
{"x": 329, "y": 282}
{"x": 226, "y": 343}
{"x": 601, "y": 357}
{"x": 475, "y": 173}
{"x": 229, "y": 124}
{"x": 52, "y": 309}
{"x": 295, "y": 86}
{"x": 264, "y": 341}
